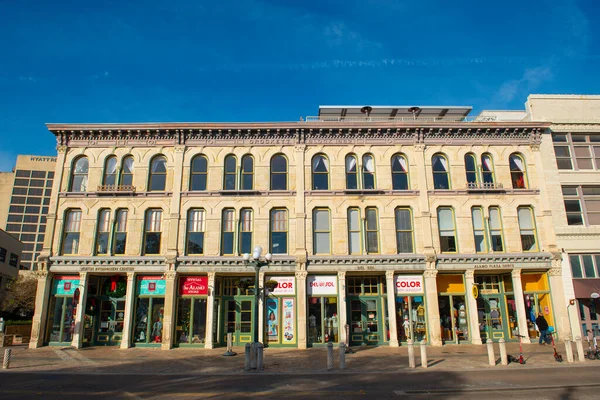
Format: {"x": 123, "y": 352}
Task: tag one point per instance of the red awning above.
{"x": 585, "y": 287}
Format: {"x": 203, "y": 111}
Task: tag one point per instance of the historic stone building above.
{"x": 394, "y": 223}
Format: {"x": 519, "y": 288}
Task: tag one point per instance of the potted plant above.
{"x": 244, "y": 284}
{"x": 271, "y": 284}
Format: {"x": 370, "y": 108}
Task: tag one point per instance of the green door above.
{"x": 238, "y": 320}
{"x": 108, "y": 324}
{"x": 366, "y": 323}
{"x": 492, "y": 318}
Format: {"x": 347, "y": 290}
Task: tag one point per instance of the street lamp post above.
{"x": 256, "y": 261}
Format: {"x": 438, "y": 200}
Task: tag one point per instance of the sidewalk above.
{"x": 188, "y": 361}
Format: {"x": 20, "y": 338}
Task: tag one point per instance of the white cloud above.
{"x": 531, "y": 79}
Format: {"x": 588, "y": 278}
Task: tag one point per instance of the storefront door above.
{"x": 108, "y": 326}
{"x": 366, "y": 326}
{"x": 238, "y": 320}
{"x": 492, "y": 318}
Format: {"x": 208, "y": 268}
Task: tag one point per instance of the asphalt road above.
{"x": 545, "y": 383}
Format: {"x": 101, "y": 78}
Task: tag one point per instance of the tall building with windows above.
{"x": 573, "y": 180}
{"x": 385, "y": 224}
{"x": 10, "y": 255}
{"x": 24, "y": 206}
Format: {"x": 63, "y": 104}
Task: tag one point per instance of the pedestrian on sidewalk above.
{"x": 542, "y": 325}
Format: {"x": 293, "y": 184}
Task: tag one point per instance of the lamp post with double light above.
{"x": 257, "y": 262}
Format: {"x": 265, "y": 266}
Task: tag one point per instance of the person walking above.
{"x": 542, "y": 325}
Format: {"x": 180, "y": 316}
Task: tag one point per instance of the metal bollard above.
{"x": 490, "y": 349}
{"x": 230, "y": 351}
{"x": 411, "y": 354}
{"x": 6, "y": 362}
{"x": 568, "y": 349}
{"x": 259, "y": 356}
{"x": 247, "y": 357}
{"x": 503, "y": 355}
{"x": 456, "y": 336}
{"x": 579, "y": 346}
{"x": 423, "y": 354}
{"x": 329, "y": 356}
{"x": 342, "y": 355}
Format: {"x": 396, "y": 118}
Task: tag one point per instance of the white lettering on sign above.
{"x": 285, "y": 284}
{"x": 409, "y": 284}
{"x": 321, "y": 285}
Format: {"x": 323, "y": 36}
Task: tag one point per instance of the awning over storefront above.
{"x": 585, "y": 287}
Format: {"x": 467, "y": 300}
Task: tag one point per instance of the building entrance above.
{"x": 366, "y": 310}
{"x": 492, "y": 308}
{"x": 238, "y": 320}
{"x": 107, "y": 323}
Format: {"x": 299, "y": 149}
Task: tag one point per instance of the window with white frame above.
{"x": 579, "y": 151}
{"x": 582, "y": 204}
{"x": 79, "y": 175}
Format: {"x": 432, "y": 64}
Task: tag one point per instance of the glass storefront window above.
{"x": 411, "y": 318}
{"x": 323, "y": 324}
{"x": 453, "y": 317}
{"x": 191, "y": 320}
{"x": 149, "y": 320}
{"x": 61, "y": 319}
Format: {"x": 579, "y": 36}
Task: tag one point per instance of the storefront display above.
{"x": 453, "y": 308}
{"x": 323, "y": 324}
{"x": 536, "y": 296}
{"x": 496, "y": 307}
{"x": 149, "y": 311}
{"x": 280, "y": 312}
{"x": 191, "y": 310}
{"x": 61, "y": 310}
{"x": 411, "y": 316}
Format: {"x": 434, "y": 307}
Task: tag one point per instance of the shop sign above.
{"x": 409, "y": 284}
{"x": 475, "y": 291}
{"x": 151, "y": 285}
{"x": 193, "y": 285}
{"x": 285, "y": 285}
{"x": 321, "y": 285}
{"x": 488, "y": 291}
{"x": 65, "y": 285}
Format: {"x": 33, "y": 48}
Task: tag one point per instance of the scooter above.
{"x": 590, "y": 353}
{"x": 557, "y": 356}
{"x": 521, "y": 359}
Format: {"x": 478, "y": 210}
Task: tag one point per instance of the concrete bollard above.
{"x": 568, "y": 349}
{"x": 423, "y": 354}
{"x": 503, "y": 355}
{"x": 6, "y": 362}
{"x": 579, "y": 346}
{"x": 342, "y": 355}
{"x": 490, "y": 349}
{"x": 259, "y": 356}
{"x": 411, "y": 354}
{"x": 456, "y": 336}
{"x": 247, "y": 357}
{"x": 329, "y": 356}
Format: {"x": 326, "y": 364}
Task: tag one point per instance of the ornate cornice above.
{"x": 582, "y": 127}
{"x": 497, "y": 258}
{"x": 374, "y": 260}
{"x": 430, "y": 273}
{"x": 64, "y": 261}
{"x": 555, "y": 272}
{"x": 209, "y": 262}
{"x": 301, "y": 275}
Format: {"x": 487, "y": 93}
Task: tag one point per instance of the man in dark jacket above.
{"x": 542, "y": 325}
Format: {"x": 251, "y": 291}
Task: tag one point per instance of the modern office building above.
{"x": 24, "y": 203}
{"x": 396, "y": 222}
{"x": 10, "y": 255}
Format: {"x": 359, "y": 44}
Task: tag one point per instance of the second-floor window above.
{"x": 199, "y": 173}
{"x": 404, "y": 230}
{"x": 321, "y": 231}
{"x": 320, "y": 172}
{"x": 72, "y": 228}
{"x": 158, "y": 174}
{"x": 195, "y": 232}
{"x": 228, "y": 232}
{"x": 279, "y": 170}
{"x": 582, "y": 204}
{"x": 527, "y": 229}
{"x": 103, "y": 232}
{"x": 354, "y": 231}
{"x": 479, "y": 230}
{"x": 79, "y": 178}
{"x": 496, "y": 237}
{"x": 120, "y": 235}
{"x": 441, "y": 172}
{"x": 517, "y": 171}
{"x": 246, "y": 228}
{"x": 585, "y": 265}
{"x": 152, "y": 232}
{"x": 577, "y": 151}
{"x": 279, "y": 231}
{"x": 399, "y": 172}
{"x": 372, "y": 230}
{"x": 447, "y": 230}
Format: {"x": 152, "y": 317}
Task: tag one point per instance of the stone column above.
{"x": 475, "y": 335}
{"x": 391, "y": 304}
{"x": 301, "y": 308}
{"x": 129, "y": 315}
{"x": 261, "y": 306}
{"x": 80, "y": 313}
{"x": 42, "y": 298}
{"x": 170, "y": 310}
{"x": 210, "y": 312}
{"x": 343, "y": 317}
{"x": 433, "y": 309}
{"x": 520, "y": 303}
{"x": 561, "y": 316}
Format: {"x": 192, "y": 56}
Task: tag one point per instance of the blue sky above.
{"x": 253, "y": 60}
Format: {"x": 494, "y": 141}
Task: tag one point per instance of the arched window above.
{"x": 487, "y": 169}
{"x": 279, "y": 170}
{"x": 368, "y": 169}
{"x": 320, "y": 172}
{"x": 199, "y": 173}
{"x": 71, "y": 232}
{"x": 110, "y": 171}
{"x": 127, "y": 172}
{"x": 247, "y": 172}
{"x": 195, "y": 231}
{"x": 158, "y": 174}
{"x": 399, "y": 172}
{"x": 79, "y": 176}
{"x": 351, "y": 172}
{"x": 471, "y": 170}
{"x": 517, "y": 171}
{"x": 441, "y": 175}
{"x": 229, "y": 181}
